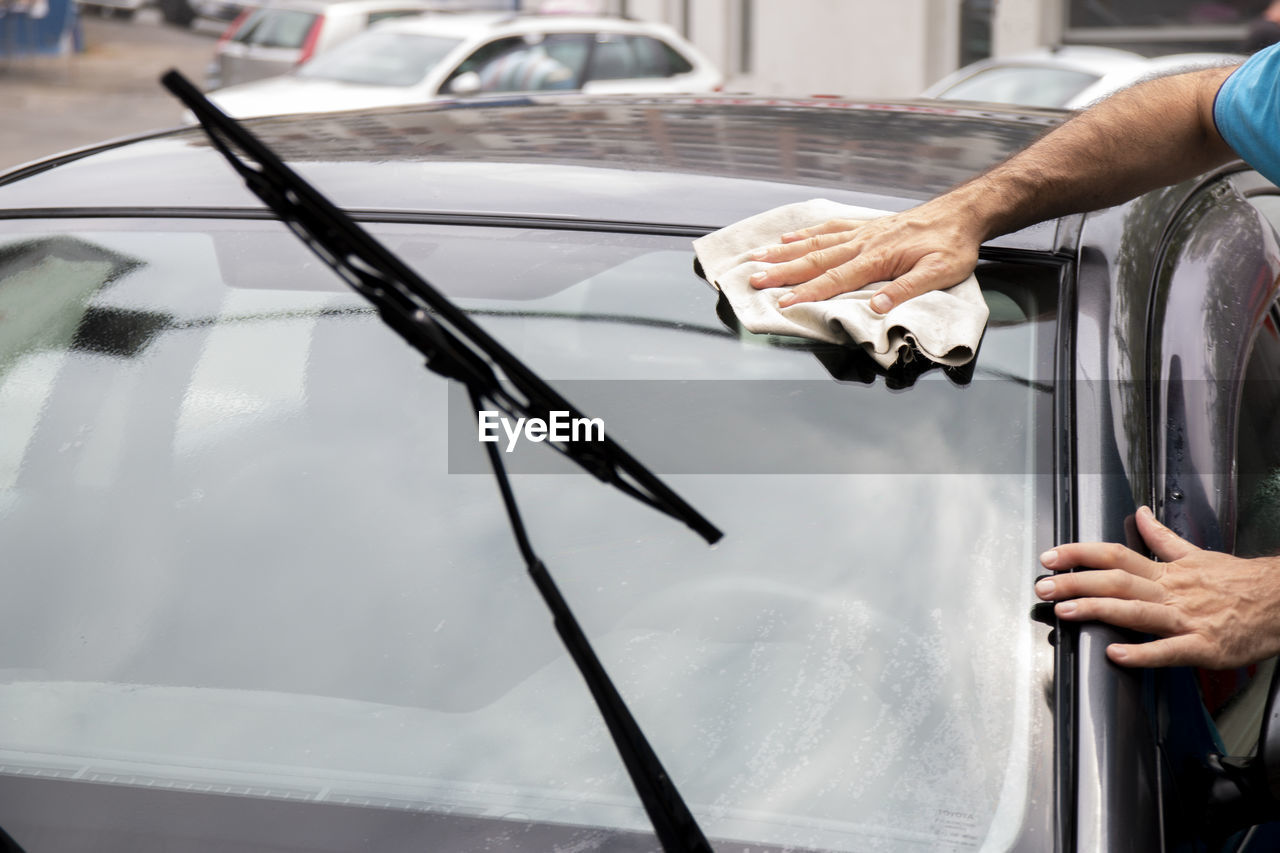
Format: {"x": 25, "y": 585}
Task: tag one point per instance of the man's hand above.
{"x": 924, "y": 249}
{"x": 927, "y": 248}
{"x": 1208, "y": 609}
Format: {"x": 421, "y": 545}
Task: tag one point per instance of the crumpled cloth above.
{"x": 944, "y": 326}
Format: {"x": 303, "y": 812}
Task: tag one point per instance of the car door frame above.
{"x": 1120, "y": 743}
{"x": 1206, "y": 310}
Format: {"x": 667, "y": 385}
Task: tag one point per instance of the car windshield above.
{"x": 1028, "y": 85}
{"x": 376, "y": 58}
{"x": 251, "y": 549}
{"x": 287, "y": 28}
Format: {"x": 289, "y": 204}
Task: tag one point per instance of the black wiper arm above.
{"x": 417, "y": 311}
{"x": 459, "y": 349}
{"x": 7, "y": 844}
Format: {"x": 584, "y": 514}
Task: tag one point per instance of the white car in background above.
{"x": 430, "y": 57}
{"x": 1066, "y": 77}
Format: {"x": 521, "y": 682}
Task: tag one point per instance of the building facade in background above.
{"x": 878, "y": 49}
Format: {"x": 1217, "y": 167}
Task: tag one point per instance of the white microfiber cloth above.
{"x": 943, "y": 325}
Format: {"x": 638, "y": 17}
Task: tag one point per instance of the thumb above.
{"x": 1162, "y": 541}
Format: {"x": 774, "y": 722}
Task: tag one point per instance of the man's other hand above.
{"x": 1206, "y": 609}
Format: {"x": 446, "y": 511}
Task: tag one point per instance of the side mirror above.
{"x": 466, "y": 83}
{"x": 1244, "y": 792}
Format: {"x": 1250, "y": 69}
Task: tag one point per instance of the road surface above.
{"x": 52, "y": 104}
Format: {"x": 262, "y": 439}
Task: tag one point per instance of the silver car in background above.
{"x": 1064, "y": 77}
{"x": 265, "y": 41}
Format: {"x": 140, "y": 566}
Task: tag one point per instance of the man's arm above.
{"x": 1154, "y": 134}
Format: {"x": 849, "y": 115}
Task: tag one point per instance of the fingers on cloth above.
{"x": 831, "y": 261}
{"x": 836, "y": 279}
{"x": 791, "y": 251}
{"x": 832, "y": 226}
{"x": 928, "y": 274}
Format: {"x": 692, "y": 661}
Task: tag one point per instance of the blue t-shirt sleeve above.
{"x": 1247, "y": 112}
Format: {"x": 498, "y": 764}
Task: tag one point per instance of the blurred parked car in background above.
{"x": 256, "y": 597}
{"x": 1067, "y": 77}
{"x": 273, "y": 39}
{"x": 218, "y": 10}
{"x": 447, "y": 56}
{"x": 184, "y": 13}
{"x": 116, "y": 8}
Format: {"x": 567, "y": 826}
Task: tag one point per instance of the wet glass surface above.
{"x": 239, "y": 554}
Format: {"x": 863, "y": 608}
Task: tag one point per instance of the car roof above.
{"x": 698, "y": 162}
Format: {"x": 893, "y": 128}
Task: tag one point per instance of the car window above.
{"x": 622, "y": 57}
{"x": 1236, "y": 697}
{"x": 284, "y": 28}
{"x": 485, "y": 54}
{"x": 380, "y": 58}
{"x": 570, "y": 49}
{"x": 1258, "y": 445}
{"x": 1026, "y": 85}
{"x": 247, "y": 549}
{"x": 245, "y": 31}
{"x": 661, "y": 56}
{"x": 527, "y": 64}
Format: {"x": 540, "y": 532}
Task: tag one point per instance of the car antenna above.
{"x": 457, "y": 348}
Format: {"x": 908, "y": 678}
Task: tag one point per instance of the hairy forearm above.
{"x": 1154, "y": 134}
{"x": 1157, "y": 133}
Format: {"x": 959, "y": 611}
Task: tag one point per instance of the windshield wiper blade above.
{"x": 422, "y": 315}
{"x": 457, "y": 348}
